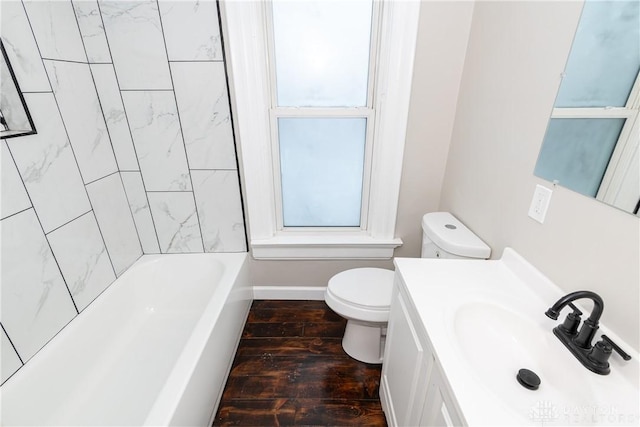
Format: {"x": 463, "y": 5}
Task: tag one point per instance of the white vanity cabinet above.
{"x": 413, "y": 391}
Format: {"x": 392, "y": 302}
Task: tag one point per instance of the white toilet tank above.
{"x": 444, "y": 236}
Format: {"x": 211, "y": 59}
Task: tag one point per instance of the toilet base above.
{"x": 364, "y": 341}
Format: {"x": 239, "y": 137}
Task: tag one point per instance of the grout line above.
{"x": 146, "y": 90}
{"x": 102, "y": 177}
{"x": 195, "y": 60}
{"x": 69, "y": 60}
{"x": 19, "y": 212}
{"x": 12, "y": 345}
{"x": 66, "y": 223}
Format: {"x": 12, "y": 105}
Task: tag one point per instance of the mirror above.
{"x": 15, "y": 119}
{"x": 592, "y": 141}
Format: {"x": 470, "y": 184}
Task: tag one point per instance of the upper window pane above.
{"x": 322, "y": 52}
{"x": 605, "y": 56}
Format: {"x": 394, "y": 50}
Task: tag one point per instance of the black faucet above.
{"x": 594, "y": 358}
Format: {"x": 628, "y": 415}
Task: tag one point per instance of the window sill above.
{"x": 323, "y": 247}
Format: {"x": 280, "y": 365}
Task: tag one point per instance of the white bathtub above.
{"x": 154, "y": 349}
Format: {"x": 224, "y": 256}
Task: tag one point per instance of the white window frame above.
{"x": 244, "y": 28}
{"x": 619, "y": 186}
{"x": 366, "y": 112}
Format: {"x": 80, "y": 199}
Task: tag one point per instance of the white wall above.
{"x": 516, "y": 53}
{"x": 442, "y": 39}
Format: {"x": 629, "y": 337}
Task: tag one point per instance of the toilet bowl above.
{"x": 363, "y": 295}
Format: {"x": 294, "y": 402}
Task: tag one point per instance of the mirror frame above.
{"x": 17, "y": 132}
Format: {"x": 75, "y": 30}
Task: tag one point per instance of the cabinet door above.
{"x": 406, "y": 367}
{"x": 439, "y": 409}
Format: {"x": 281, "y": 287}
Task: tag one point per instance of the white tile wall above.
{"x": 123, "y": 126}
{"x": 10, "y": 360}
{"x": 83, "y": 259}
{"x": 176, "y": 219}
{"x": 21, "y": 47}
{"x": 158, "y": 139}
{"x": 111, "y": 101}
{"x": 115, "y": 220}
{"x": 92, "y": 30}
{"x": 135, "y": 36}
{"x": 35, "y": 300}
{"x": 48, "y": 167}
{"x": 78, "y": 102}
{"x": 56, "y": 29}
{"x": 14, "y": 196}
{"x": 201, "y": 92}
{"x": 219, "y": 210}
{"x": 191, "y": 30}
{"x": 139, "y": 205}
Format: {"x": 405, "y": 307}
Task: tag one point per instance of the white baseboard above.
{"x": 289, "y": 292}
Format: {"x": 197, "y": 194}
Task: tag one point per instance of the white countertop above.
{"x": 517, "y": 296}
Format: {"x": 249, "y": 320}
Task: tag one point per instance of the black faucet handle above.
{"x": 572, "y": 321}
{"x": 616, "y": 347}
{"x": 576, "y": 310}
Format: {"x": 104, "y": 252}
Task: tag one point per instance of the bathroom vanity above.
{"x": 459, "y": 332}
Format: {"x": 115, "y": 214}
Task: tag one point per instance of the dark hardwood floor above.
{"x": 290, "y": 369}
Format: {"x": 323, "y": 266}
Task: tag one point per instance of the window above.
{"x": 591, "y": 145}
{"x": 321, "y": 108}
{"x": 322, "y": 66}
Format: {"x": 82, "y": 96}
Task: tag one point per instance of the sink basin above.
{"x": 497, "y": 342}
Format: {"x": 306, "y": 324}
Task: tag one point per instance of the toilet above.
{"x": 363, "y": 295}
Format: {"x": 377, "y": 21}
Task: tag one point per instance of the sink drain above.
{"x": 528, "y": 379}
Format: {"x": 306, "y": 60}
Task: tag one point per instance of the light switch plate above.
{"x": 540, "y": 203}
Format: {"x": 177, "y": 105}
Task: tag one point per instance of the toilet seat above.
{"x": 361, "y": 294}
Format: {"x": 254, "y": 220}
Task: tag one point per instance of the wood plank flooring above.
{"x": 290, "y": 369}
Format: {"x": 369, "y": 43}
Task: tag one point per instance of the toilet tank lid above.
{"x": 451, "y": 235}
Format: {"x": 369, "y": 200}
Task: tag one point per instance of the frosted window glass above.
{"x": 321, "y": 162}
{"x": 605, "y": 56}
{"x": 322, "y": 52}
{"x": 576, "y": 152}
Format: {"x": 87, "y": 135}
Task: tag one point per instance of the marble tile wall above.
{"x": 134, "y": 154}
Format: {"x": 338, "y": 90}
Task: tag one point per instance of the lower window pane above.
{"x": 321, "y": 166}
{"x": 576, "y": 152}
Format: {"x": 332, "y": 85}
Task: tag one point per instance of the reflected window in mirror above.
{"x": 592, "y": 141}
{"x": 15, "y": 119}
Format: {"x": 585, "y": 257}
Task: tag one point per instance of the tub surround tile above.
{"x": 76, "y": 96}
{"x": 35, "y": 301}
{"x": 21, "y": 48}
{"x": 137, "y": 46}
{"x": 139, "y": 205}
{"x": 56, "y": 30}
{"x": 14, "y": 196}
{"x": 92, "y": 31}
{"x": 106, "y": 83}
{"x": 10, "y": 360}
{"x": 191, "y": 30}
{"x": 111, "y": 209}
{"x": 201, "y": 92}
{"x": 83, "y": 259}
{"x": 217, "y": 196}
{"x": 47, "y": 166}
{"x": 155, "y": 126}
{"x": 176, "y": 222}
